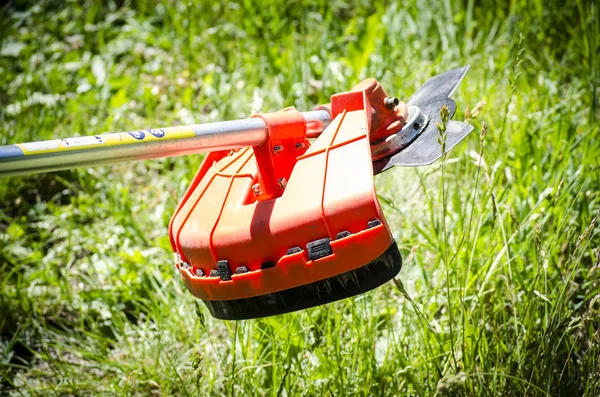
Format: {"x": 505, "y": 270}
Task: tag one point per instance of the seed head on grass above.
{"x": 587, "y": 231}
{"x": 196, "y": 364}
{"x": 444, "y": 116}
{"x": 513, "y": 215}
{"x": 402, "y": 290}
{"x": 558, "y": 190}
{"x": 471, "y": 114}
{"x": 484, "y": 130}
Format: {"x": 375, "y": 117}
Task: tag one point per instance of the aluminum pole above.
{"x": 87, "y": 151}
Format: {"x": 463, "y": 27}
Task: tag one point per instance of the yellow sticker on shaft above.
{"x": 113, "y": 139}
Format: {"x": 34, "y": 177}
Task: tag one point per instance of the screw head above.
{"x": 300, "y": 145}
{"x": 256, "y": 189}
{"x": 282, "y": 183}
{"x": 277, "y": 149}
{"x": 391, "y": 102}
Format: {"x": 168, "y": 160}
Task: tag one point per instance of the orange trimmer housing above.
{"x": 289, "y": 224}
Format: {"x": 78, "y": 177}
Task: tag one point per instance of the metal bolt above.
{"x": 282, "y": 183}
{"x": 391, "y": 102}
{"x": 277, "y": 149}
{"x": 256, "y": 189}
{"x": 300, "y": 145}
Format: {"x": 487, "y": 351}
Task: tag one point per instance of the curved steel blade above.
{"x": 430, "y": 98}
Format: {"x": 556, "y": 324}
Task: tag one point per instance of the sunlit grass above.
{"x": 500, "y": 284}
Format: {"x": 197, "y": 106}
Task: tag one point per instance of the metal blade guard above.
{"x": 289, "y": 225}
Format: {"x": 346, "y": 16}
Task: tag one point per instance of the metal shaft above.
{"x": 60, "y": 154}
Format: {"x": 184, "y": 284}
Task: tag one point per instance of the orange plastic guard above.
{"x": 239, "y": 235}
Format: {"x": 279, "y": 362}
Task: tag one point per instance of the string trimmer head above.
{"x": 273, "y": 222}
{"x": 291, "y": 224}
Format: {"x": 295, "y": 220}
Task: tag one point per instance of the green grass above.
{"x": 500, "y": 288}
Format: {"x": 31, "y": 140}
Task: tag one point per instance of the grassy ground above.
{"x": 500, "y": 289}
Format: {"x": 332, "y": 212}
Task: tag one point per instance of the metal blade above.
{"x": 430, "y": 98}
